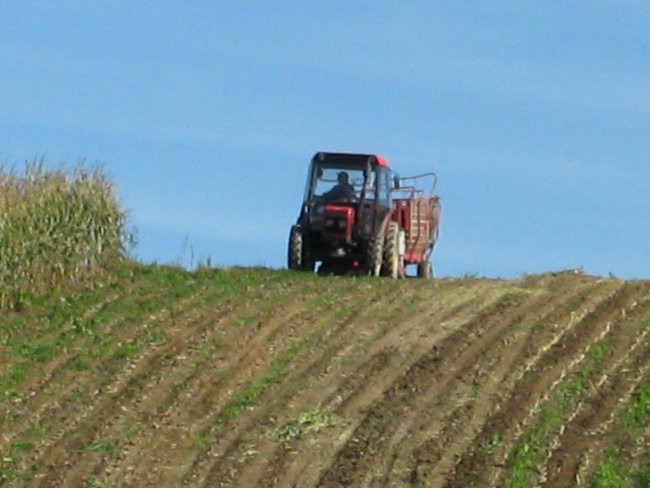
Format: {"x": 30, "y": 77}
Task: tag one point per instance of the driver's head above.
{"x": 343, "y": 177}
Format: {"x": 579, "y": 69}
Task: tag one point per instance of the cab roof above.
{"x": 350, "y": 158}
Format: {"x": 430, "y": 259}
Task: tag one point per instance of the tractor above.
{"x": 359, "y": 217}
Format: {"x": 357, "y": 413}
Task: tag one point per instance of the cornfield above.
{"x": 56, "y": 227}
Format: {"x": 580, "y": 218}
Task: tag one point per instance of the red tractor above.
{"x": 358, "y": 217}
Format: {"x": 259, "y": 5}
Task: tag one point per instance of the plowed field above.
{"x": 252, "y": 377}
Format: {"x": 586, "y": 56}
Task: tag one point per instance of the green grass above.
{"x": 637, "y": 416}
{"x": 102, "y": 447}
{"x": 95, "y": 482}
{"x": 612, "y": 472}
{"x": 617, "y": 471}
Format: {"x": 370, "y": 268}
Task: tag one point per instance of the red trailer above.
{"x": 418, "y": 214}
{"x": 358, "y": 216}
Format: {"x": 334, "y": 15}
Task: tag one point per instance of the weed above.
{"x": 641, "y": 477}
{"x": 638, "y": 414}
{"x": 35, "y": 432}
{"x": 310, "y": 421}
{"x": 95, "y": 482}
{"x": 601, "y": 350}
{"x": 40, "y": 353}
{"x": 17, "y": 372}
{"x": 80, "y": 364}
{"x": 524, "y": 460}
{"x": 102, "y": 447}
{"x": 125, "y": 351}
{"x": 8, "y": 470}
{"x": 488, "y": 446}
{"x": 611, "y": 473}
{"x": 20, "y": 446}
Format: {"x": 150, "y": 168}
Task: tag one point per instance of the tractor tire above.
{"x": 425, "y": 270}
{"x": 391, "y": 262}
{"x": 297, "y": 256}
{"x": 374, "y": 255}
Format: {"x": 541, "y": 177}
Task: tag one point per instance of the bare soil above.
{"x": 384, "y": 383}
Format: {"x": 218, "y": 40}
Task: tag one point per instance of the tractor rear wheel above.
{"x": 391, "y": 266}
{"x": 374, "y": 252}
{"x": 298, "y": 256}
{"x": 425, "y": 270}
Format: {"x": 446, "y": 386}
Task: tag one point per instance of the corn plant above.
{"x": 56, "y": 227}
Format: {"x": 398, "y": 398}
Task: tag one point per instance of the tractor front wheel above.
{"x": 298, "y": 256}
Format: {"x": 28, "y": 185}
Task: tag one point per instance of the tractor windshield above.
{"x": 338, "y": 184}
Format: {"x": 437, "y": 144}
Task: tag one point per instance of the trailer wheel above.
{"x": 425, "y": 270}
{"x": 374, "y": 254}
{"x": 391, "y": 252}
{"x": 298, "y": 257}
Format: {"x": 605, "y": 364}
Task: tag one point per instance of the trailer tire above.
{"x": 425, "y": 270}
{"x": 297, "y": 256}
{"x": 391, "y": 266}
{"x": 374, "y": 255}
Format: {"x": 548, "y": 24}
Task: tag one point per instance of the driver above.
{"x": 343, "y": 190}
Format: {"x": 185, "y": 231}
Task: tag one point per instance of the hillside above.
{"x": 252, "y": 377}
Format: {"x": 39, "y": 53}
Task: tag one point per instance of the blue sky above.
{"x": 535, "y": 116}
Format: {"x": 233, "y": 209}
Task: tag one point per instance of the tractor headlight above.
{"x": 342, "y": 224}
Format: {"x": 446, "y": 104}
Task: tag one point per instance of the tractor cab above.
{"x": 357, "y": 182}
{"x": 347, "y": 201}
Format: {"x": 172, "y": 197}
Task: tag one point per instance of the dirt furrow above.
{"x": 62, "y": 381}
{"x": 414, "y": 335}
{"x": 161, "y": 390}
{"x": 167, "y": 380}
{"x": 592, "y": 442}
{"x": 71, "y": 396}
{"x": 252, "y": 377}
{"x": 75, "y": 437}
{"x": 201, "y": 389}
{"x": 539, "y": 380}
{"x": 630, "y": 353}
{"x": 390, "y": 351}
{"x": 333, "y": 327}
{"x": 32, "y": 389}
{"x": 426, "y": 377}
{"x": 565, "y": 388}
{"x": 437, "y": 441}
